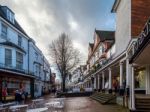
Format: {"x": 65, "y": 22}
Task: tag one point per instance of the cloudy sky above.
{"x": 45, "y": 20}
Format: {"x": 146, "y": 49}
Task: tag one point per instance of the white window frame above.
{"x": 19, "y": 40}
{"x": 8, "y": 60}
{"x": 20, "y": 64}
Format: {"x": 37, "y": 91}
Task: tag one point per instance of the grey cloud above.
{"x": 44, "y": 20}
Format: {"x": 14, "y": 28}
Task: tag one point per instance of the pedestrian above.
{"x": 22, "y": 93}
{"x": 115, "y": 85}
{"x": 4, "y": 94}
{"x": 17, "y": 97}
{"x": 24, "y": 96}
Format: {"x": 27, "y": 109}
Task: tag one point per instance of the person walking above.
{"x": 4, "y": 94}
{"x": 115, "y": 85}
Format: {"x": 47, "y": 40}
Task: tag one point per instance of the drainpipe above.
{"x": 28, "y": 56}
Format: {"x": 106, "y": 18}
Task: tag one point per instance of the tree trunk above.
{"x": 63, "y": 85}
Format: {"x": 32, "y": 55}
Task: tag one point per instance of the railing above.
{"x": 96, "y": 68}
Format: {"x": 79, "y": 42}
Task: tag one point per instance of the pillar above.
{"x": 121, "y": 74}
{"x": 110, "y": 81}
{"x": 87, "y": 84}
{"x": 127, "y": 73}
{"x": 128, "y": 83}
{"x": 94, "y": 82}
{"x": 98, "y": 82}
{"x": 147, "y": 77}
{"x": 91, "y": 84}
{"x": 132, "y": 90}
{"x": 103, "y": 80}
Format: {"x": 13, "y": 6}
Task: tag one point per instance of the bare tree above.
{"x": 64, "y": 55}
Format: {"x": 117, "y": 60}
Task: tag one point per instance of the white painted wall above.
{"x": 123, "y": 27}
{"x": 12, "y": 36}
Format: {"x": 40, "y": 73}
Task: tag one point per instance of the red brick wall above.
{"x": 140, "y": 12}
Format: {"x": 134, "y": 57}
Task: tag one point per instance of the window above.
{"x": 4, "y": 31}
{"x": 19, "y": 40}
{"x": 97, "y": 55}
{"x": 19, "y": 60}
{"x": 8, "y": 57}
{"x": 37, "y": 70}
{"x": 10, "y": 16}
{"x": 36, "y": 56}
{"x": 101, "y": 49}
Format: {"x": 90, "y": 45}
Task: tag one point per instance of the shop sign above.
{"x": 143, "y": 35}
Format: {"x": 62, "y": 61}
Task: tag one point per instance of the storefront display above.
{"x": 140, "y": 78}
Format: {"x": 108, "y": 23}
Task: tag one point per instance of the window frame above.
{"x": 19, "y": 40}
{"x": 10, "y": 16}
{"x": 19, "y": 60}
{"x": 8, "y": 60}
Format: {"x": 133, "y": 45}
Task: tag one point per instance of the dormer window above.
{"x": 10, "y": 16}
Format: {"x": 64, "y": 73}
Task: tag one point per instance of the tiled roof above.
{"x": 105, "y": 35}
{"x": 16, "y": 25}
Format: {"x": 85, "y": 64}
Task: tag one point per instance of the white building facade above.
{"x": 21, "y": 62}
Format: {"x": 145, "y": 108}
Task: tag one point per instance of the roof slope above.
{"x": 16, "y": 24}
{"x": 105, "y": 35}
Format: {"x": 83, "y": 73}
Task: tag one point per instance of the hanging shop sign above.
{"x": 143, "y": 36}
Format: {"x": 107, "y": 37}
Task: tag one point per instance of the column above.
{"x": 132, "y": 90}
{"x": 98, "y": 82}
{"x": 103, "y": 80}
{"x": 147, "y": 77}
{"x": 87, "y": 84}
{"x": 94, "y": 82}
{"x": 91, "y": 84}
{"x": 127, "y": 73}
{"x": 121, "y": 74}
{"x": 110, "y": 81}
{"x": 128, "y": 82}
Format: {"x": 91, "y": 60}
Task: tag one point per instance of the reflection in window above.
{"x": 8, "y": 57}
{"x": 19, "y": 60}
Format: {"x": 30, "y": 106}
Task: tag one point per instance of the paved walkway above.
{"x": 86, "y": 104}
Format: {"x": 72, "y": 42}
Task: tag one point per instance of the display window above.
{"x": 13, "y": 84}
{"x": 140, "y": 78}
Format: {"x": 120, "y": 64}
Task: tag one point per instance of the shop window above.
{"x": 140, "y": 79}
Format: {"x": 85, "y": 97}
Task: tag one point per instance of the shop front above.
{"x": 10, "y": 82}
{"x": 140, "y": 73}
{"x": 141, "y": 69}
